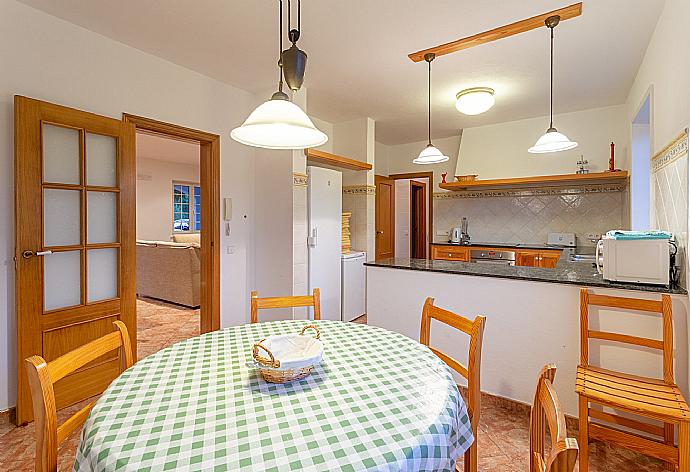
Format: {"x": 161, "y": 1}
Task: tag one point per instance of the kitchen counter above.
{"x": 566, "y": 272}
{"x": 503, "y": 245}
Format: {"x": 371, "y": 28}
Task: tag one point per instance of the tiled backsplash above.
{"x": 528, "y": 219}
{"x": 670, "y": 205}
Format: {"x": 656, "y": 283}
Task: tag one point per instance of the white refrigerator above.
{"x": 325, "y": 207}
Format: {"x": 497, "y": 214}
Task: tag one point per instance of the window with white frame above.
{"x": 186, "y": 207}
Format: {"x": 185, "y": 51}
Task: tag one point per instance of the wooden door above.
{"x": 527, "y": 258}
{"x": 75, "y": 180}
{"x": 418, "y": 219}
{"x": 385, "y": 217}
{"x": 549, "y": 260}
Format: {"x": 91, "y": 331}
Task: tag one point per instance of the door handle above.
{"x": 379, "y": 232}
{"x": 29, "y": 254}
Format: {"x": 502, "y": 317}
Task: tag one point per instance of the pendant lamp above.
{"x": 279, "y": 123}
{"x": 430, "y": 155}
{"x": 552, "y": 140}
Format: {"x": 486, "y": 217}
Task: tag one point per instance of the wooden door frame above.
{"x": 209, "y": 162}
{"x": 377, "y": 179}
{"x": 422, "y": 175}
{"x": 413, "y": 204}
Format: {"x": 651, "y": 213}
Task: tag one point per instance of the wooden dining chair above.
{"x": 547, "y": 410}
{"x": 43, "y": 376}
{"x": 656, "y": 399}
{"x": 313, "y": 300}
{"x": 475, "y": 330}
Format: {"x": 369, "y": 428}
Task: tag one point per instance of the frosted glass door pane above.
{"x": 61, "y": 217}
{"x": 61, "y": 280}
{"x": 60, "y": 155}
{"x": 102, "y": 274}
{"x": 101, "y": 217}
{"x": 101, "y": 160}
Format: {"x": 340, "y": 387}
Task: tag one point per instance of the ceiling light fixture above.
{"x": 552, "y": 140}
{"x": 279, "y": 123}
{"x": 474, "y": 101}
{"x": 430, "y": 155}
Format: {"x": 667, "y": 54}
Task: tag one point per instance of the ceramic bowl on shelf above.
{"x": 466, "y": 178}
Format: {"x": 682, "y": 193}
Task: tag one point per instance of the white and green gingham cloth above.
{"x": 379, "y": 401}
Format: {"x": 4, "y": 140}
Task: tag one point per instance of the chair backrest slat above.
{"x": 43, "y": 375}
{"x": 662, "y": 307}
{"x": 475, "y": 329}
{"x": 78, "y": 358}
{"x": 313, "y": 300}
{"x": 547, "y": 410}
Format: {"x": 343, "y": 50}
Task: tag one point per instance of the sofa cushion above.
{"x": 187, "y": 238}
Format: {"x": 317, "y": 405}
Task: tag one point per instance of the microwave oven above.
{"x": 643, "y": 261}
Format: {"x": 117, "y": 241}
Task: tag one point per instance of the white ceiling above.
{"x": 358, "y": 63}
{"x": 151, "y": 146}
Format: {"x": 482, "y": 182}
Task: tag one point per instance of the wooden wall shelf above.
{"x": 563, "y": 180}
{"x": 334, "y": 160}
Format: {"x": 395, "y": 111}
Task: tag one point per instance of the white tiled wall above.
{"x": 528, "y": 219}
{"x": 671, "y": 204}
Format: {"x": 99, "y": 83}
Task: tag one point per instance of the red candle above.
{"x": 612, "y": 165}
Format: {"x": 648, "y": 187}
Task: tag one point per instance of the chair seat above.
{"x": 642, "y": 395}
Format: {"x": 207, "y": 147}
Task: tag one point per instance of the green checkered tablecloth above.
{"x": 379, "y": 401}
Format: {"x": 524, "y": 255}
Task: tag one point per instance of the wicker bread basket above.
{"x": 288, "y": 357}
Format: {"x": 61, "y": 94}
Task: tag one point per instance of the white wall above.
{"x": 500, "y": 151}
{"x": 666, "y": 69}
{"x": 47, "y": 58}
{"x": 381, "y": 153}
{"x": 154, "y": 196}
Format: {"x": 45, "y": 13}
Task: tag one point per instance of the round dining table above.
{"x": 378, "y": 401}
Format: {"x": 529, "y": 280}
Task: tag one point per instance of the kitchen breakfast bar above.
{"x": 533, "y": 317}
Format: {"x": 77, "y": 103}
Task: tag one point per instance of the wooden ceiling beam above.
{"x": 501, "y": 32}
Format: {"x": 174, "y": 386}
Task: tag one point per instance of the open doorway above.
{"x": 413, "y": 214}
{"x": 178, "y": 224}
{"x": 640, "y": 179}
{"x": 168, "y": 241}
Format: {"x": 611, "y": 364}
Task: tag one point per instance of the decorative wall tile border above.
{"x": 672, "y": 152}
{"x": 531, "y": 192}
{"x": 359, "y": 190}
{"x": 299, "y": 179}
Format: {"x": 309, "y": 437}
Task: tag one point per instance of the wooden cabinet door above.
{"x": 527, "y": 258}
{"x": 548, "y": 260}
{"x": 385, "y": 217}
{"x": 75, "y": 180}
{"x": 450, "y": 253}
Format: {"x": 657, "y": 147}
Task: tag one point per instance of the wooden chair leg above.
{"x": 471, "y": 457}
{"x": 669, "y": 438}
{"x": 584, "y": 434}
{"x": 684, "y": 447}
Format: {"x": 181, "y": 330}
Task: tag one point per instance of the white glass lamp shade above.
{"x": 475, "y": 100}
{"x": 430, "y": 155}
{"x": 552, "y": 141}
{"x": 279, "y": 124}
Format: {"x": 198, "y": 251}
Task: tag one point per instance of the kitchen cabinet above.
{"x": 450, "y": 253}
{"x": 533, "y": 258}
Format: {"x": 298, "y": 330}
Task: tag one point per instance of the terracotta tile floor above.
{"x": 159, "y": 324}
{"x": 503, "y": 432}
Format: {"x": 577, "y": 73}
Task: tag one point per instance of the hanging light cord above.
{"x": 280, "y": 51}
{"x": 551, "y": 124}
{"x": 429, "y": 57}
{"x": 299, "y": 18}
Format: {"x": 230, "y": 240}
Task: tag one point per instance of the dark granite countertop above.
{"x": 566, "y": 272}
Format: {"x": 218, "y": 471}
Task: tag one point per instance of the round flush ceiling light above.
{"x": 474, "y": 101}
